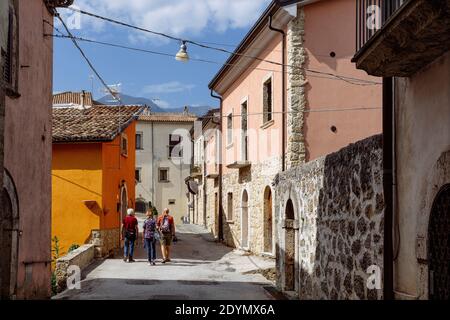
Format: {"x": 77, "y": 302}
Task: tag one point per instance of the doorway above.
{"x": 289, "y": 255}
{"x": 9, "y": 249}
{"x": 438, "y": 246}
{"x": 244, "y": 220}
{"x": 123, "y": 202}
{"x": 268, "y": 227}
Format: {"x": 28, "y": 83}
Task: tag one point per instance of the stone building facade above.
{"x": 418, "y": 81}
{"x": 205, "y": 172}
{"x": 329, "y": 217}
{"x": 248, "y": 220}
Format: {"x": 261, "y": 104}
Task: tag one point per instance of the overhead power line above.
{"x": 311, "y": 110}
{"x": 196, "y": 43}
{"x": 74, "y": 41}
{"x": 325, "y": 74}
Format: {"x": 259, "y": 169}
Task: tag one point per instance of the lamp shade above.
{"x": 182, "y": 54}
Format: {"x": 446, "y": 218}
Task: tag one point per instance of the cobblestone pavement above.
{"x": 200, "y": 269}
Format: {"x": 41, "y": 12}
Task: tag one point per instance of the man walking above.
{"x": 130, "y": 232}
{"x": 166, "y": 226}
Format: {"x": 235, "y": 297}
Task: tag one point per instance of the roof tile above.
{"x": 98, "y": 123}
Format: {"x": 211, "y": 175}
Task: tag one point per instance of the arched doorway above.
{"x": 289, "y": 247}
{"x": 244, "y": 220}
{"x": 10, "y": 238}
{"x": 123, "y": 202}
{"x": 268, "y": 228}
{"x": 438, "y": 246}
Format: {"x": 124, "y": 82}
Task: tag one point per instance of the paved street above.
{"x": 200, "y": 269}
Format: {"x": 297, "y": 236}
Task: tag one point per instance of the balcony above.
{"x": 196, "y": 171}
{"x": 239, "y": 164}
{"x": 396, "y": 38}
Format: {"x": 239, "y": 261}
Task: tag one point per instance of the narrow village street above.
{"x": 200, "y": 269}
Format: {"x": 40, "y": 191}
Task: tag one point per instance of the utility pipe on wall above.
{"x": 388, "y": 269}
{"x": 283, "y": 89}
{"x": 220, "y": 169}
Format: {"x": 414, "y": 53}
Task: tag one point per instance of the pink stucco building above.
{"x": 275, "y": 117}
{"x": 26, "y": 143}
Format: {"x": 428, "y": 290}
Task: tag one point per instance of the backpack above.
{"x": 165, "y": 225}
{"x": 149, "y": 227}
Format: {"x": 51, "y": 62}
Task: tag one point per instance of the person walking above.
{"x": 166, "y": 226}
{"x": 150, "y": 237}
{"x": 130, "y": 232}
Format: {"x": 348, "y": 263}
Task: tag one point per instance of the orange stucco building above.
{"x": 93, "y": 174}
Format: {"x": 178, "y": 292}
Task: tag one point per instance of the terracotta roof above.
{"x": 98, "y": 123}
{"x": 168, "y": 117}
{"x": 67, "y": 98}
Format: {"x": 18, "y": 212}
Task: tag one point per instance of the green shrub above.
{"x": 54, "y": 290}
{"x": 73, "y": 247}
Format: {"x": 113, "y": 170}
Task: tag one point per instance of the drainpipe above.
{"x": 220, "y": 169}
{"x": 153, "y": 168}
{"x": 388, "y": 287}
{"x": 283, "y": 90}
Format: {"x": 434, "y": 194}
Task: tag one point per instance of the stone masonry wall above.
{"x": 212, "y": 224}
{"x": 80, "y": 257}
{"x": 254, "y": 179}
{"x": 105, "y": 241}
{"x": 339, "y": 206}
{"x": 296, "y": 91}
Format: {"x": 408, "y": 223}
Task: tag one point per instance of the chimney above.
{"x": 186, "y": 109}
{"x": 82, "y": 99}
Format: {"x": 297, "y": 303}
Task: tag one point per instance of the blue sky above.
{"x": 174, "y": 83}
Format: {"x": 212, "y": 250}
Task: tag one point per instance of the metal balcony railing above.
{"x": 371, "y": 15}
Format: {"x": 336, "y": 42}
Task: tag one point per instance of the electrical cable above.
{"x": 324, "y": 74}
{"x": 344, "y": 78}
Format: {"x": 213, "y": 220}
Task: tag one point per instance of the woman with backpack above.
{"x": 150, "y": 237}
{"x": 166, "y": 226}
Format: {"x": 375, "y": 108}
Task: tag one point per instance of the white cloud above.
{"x": 168, "y": 87}
{"x": 176, "y": 17}
{"x": 163, "y": 104}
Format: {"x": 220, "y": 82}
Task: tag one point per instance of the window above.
{"x": 163, "y": 175}
{"x": 124, "y": 145}
{"x": 8, "y": 43}
{"x": 244, "y": 138}
{"x": 171, "y": 201}
{"x": 139, "y": 141}
{"x": 175, "y": 149}
{"x": 267, "y": 100}
{"x": 230, "y": 206}
{"x": 230, "y": 129}
{"x": 137, "y": 174}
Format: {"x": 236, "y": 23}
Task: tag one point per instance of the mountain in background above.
{"x": 126, "y": 99}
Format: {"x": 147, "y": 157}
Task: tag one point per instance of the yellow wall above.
{"x": 89, "y": 171}
{"x": 76, "y": 176}
{"x": 114, "y": 172}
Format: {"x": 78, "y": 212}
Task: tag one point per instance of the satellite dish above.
{"x": 192, "y": 186}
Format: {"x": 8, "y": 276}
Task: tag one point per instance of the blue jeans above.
{"x": 129, "y": 247}
{"x": 151, "y": 249}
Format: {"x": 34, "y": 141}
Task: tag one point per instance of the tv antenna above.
{"x": 115, "y": 89}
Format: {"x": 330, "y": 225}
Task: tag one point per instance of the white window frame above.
{"x": 266, "y": 78}
{"x": 141, "y": 134}
{"x": 244, "y": 100}
{"x": 139, "y": 169}
{"x": 159, "y": 174}
{"x": 230, "y": 130}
